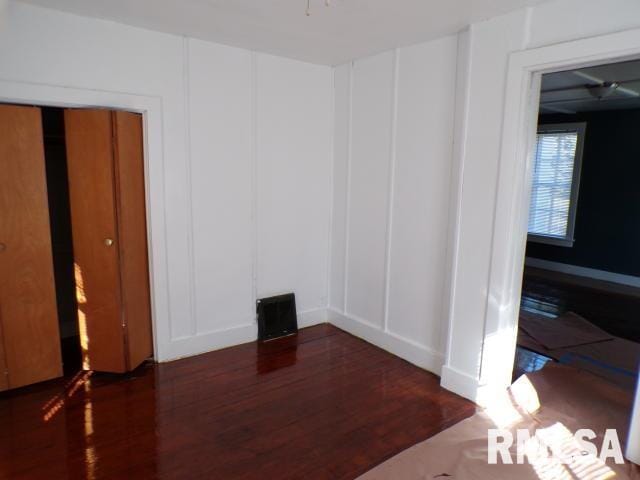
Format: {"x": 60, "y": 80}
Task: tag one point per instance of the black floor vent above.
{"x": 277, "y": 316}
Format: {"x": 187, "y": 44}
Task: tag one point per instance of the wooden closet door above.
{"x": 132, "y": 226}
{"x": 89, "y": 139}
{"x": 28, "y": 314}
{"x": 4, "y": 371}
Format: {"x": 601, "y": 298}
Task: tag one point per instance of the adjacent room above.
{"x": 581, "y": 290}
{"x": 319, "y": 239}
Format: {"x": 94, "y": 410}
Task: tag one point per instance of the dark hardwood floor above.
{"x": 612, "y": 307}
{"x": 322, "y": 404}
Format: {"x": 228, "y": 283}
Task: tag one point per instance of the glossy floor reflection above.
{"x": 610, "y": 306}
{"x": 527, "y": 361}
{"x": 322, "y": 404}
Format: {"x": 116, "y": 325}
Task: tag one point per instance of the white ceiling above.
{"x": 567, "y": 92}
{"x": 345, "y": 30}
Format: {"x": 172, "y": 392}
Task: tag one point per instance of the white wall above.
{"x": 293, "y": 179}
{"x": 478, "y": 144}
{"x": 369, "y": 193}
{"x": 221, "y": 163}
{"x": 402, "y": 235}
{"x": 485, "y": 53}
{"x": 392, "y": 163}
{"x": 244, "y": 156}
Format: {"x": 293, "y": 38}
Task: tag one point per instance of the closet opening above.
{"x": 61, "y": 237}
{"x": 74, "y": 272}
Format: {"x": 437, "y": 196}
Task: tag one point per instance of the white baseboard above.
{"x": 310, "y": 318}
{"x": 583, "y": 271}
{"x": 219, "y": 339}
{"x": 461, "y": 383}
{"x": 406, "y": 349}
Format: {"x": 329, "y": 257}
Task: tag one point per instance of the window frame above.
{"x": 569, "y": 239}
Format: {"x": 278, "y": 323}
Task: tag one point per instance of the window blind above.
{"x": 552, "y": 184}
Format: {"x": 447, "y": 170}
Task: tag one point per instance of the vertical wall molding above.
{"x": 193, "y": 320}
{"x": 461, "y": 110}
{"x": 254, "y": 181}
{"x": 347, "y": 215}
{"x": 391, "y": 186}
{"x": 332, "y": 160}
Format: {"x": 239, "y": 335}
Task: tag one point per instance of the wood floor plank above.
{"x": 319, "y": 405}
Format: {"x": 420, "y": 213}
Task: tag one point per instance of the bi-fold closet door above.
{"x": 106, "y": 189}
{"x": 108, "y": 222}
{"x": 29, "y": 336}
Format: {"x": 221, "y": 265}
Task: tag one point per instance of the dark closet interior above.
{"x": 61, "y": 236}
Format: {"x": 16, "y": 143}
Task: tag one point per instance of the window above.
{"x": 556, "y": 178}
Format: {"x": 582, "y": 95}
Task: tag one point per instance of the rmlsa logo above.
{"x": 555, "y": 443}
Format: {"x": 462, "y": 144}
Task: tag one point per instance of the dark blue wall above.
{"x": 607, "y": 231}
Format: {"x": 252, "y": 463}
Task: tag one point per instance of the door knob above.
{"x": 3, "y": 247}
{"x": 108, "y": 242}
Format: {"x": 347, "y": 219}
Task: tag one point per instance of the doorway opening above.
{"x": 577, "y": 322}
{"x": 581, "y": 283}
{"x": 55, "y": 155}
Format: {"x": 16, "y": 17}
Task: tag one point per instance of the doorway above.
{"x": 581, "y": 279}
{"x": 581, "y": 283}
{"x": 510, "y": 224}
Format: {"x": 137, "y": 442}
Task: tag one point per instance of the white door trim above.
{"x": 151, "y": 109}
{"x": 514, "y": 185}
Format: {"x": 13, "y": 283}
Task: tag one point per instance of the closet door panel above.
{"x": 89, "y": 140}
{"x": 28, "y": 311}
{"x": 134, "y": 266}
{"x": 4, "y": 372}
